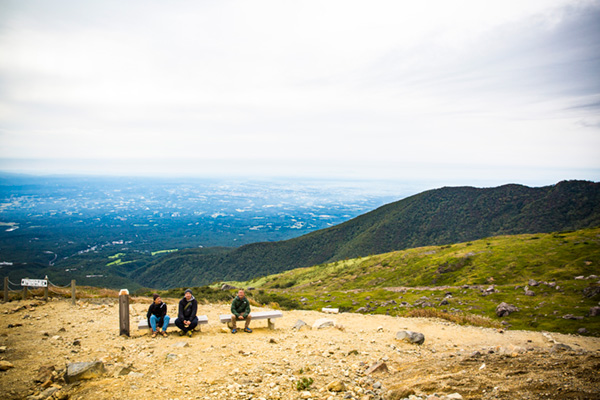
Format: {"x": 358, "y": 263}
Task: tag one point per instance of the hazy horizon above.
{"x": 452, "y": 93}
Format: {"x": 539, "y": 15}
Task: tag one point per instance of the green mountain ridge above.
{"x": 436, "y": 217}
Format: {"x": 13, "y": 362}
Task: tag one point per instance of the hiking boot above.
{"x": 233, "y": 330}
{"x": 181, "y": 333}
{"x": 248, "y": 330}
{"x": 189, "y": 333}
{"x": 164, "y": 334}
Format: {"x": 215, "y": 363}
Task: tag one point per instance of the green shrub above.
{"x": 304, "y": 383}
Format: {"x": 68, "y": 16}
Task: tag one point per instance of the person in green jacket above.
{"x": 240, "y": 310}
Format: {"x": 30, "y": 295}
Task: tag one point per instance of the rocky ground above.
{"x": 359, "y": 358}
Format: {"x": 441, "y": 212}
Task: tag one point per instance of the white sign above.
{"x": 34, "y": 282}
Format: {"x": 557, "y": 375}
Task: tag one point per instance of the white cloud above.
{"x": 314, "y": 88}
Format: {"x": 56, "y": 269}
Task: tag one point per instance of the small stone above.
{"x": 558, "y": 347}
{"x": 504, "y": 309}
{"x": 336, "y": 386}
{"x": 122, "y": 370}
{"x": 323, "y": 323}
{"x": 180, "y": 345}
{"x": 411, "y": 337}
{"x": 84, "y": 370}
{"x": 453, "y": 396}
{"x": 299, "y": 324}
{"x": 5, "y": 365}
{"x": 377, "y": 367}
{"x": 400, "y": 393}
{"x": 305, "y": 395}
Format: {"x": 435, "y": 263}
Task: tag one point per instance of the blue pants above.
{"x": 193, "y": 324}
{"x": 154, "y": 320}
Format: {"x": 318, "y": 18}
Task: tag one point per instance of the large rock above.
{"x": 227, "y": 287}
{"x": 323, "y": 323}
{"x": 595, "y": 311}
{"x": 505, "y": 309}
{"x": 411, "y": 337}
{"x": 84, "y": 370}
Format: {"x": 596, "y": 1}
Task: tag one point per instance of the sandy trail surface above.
{"x": 38, "y": 340}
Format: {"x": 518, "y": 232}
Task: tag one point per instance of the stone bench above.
{"x": 268, "y": 315}
{"x": 202, "y": 319}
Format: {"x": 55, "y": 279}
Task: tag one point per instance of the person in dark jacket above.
{"x": 187, "y": 319}
{"x": 157, "y": 316}
{"x": 240, "y": 310}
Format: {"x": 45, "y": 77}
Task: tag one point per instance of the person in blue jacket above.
{"x": 157, "y": 316}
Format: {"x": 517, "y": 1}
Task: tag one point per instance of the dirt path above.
{"x": 476, "y": 363}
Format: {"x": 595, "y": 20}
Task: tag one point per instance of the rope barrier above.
{"x": 54, "y": 291}
{"x": 12, "y": 283}
{"x": 66, "y": 286}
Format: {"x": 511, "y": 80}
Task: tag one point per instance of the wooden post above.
{"x": 124, "y": 312}
{"x": 73, "y": 298}
{"x": 24, "y": 292}
{"x": 6, "y": 289}
{"x": 46, "y": 289}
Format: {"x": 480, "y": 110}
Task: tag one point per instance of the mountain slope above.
{"x": 551, "y": 278}
{"x": 436, "y": 217}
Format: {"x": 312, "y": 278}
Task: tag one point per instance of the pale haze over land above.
{"x": 461, "y": 92}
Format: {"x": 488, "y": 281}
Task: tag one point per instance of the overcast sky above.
{"x": 461, "y": 92}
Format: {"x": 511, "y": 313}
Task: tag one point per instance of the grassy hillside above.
{"x": 473, "y": 277}
{"x": 436, "y": 217}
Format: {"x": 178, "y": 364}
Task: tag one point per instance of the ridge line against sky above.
{"x": 455, "y": 92}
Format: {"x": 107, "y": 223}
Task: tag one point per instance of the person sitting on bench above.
{"x": 240, "y": 309}
{"x": 187, "y": 319}
{"x": 157, "y": 316}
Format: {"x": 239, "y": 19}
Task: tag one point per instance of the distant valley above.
{"x": 100, "y": 230}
